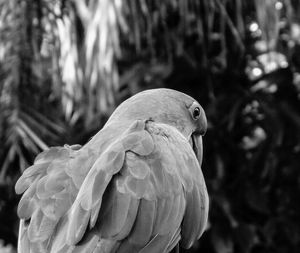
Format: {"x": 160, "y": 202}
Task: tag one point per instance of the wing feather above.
{"x": 158, "y": 243}
{"x": 160, "y": 214}
{"x": 27, "y": 204}
{"x": 174, "y": 240}
{"x": 23, "y": 241}
{"x": 77, "y": 227}
{"x": 41, "y": 227}
{"x": 204, "y": 204}
{"x": 177, "y": 212}
{"x": 29, "y": 176}
{"x": 113, "y": 219}
{"x": 130, "y": 219}
{"x": 163, "y": 226}
{"x": 142, "y": 230}
{"x": 197, "y": 214}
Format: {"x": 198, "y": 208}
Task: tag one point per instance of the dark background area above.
{"x": 64, "y": 67}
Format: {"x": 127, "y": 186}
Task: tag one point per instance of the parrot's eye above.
{"x": 195, "y": 111}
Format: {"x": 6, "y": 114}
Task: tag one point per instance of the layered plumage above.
{"x": 136, "y": 186}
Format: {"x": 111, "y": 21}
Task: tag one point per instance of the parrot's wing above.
{"x": 139, "y": 190}
{"x": 133, "y": 197}
{"x": 49, "y": 189}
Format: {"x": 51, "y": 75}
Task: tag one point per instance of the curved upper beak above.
{"x": 196, "y": 136}
{"x": 201, "y": 124}
{"x": 196, "y": 143}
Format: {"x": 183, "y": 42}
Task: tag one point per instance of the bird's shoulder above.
{"x": 171, "y": 166}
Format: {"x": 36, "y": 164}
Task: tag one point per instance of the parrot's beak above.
{"x": 202, "y": 123}
{"x": 196, "y": 136}
{"x": 196, "y": 143}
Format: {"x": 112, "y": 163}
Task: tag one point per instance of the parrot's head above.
{"x": 169, "y": 107}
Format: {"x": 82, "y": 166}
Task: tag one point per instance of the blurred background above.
{"x": 65, "y": 65}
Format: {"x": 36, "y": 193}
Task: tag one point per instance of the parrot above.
{"x": 136, "y": 186}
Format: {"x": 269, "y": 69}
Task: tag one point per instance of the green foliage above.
{"x": 64, "y": 66}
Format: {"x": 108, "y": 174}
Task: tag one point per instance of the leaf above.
{"x": 32, "y": 135}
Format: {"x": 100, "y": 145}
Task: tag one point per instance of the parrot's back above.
{"x": 138, "y": 189}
